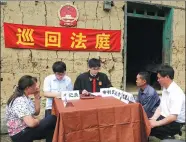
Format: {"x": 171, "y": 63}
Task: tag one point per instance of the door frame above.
{"x": 167, "y": 34}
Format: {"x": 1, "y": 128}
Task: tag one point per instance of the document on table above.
{"x": 96, "y": 94}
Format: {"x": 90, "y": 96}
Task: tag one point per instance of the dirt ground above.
{"x": 6, "y": 138}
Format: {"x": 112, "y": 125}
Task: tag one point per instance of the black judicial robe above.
{"x": 90, "y": 83}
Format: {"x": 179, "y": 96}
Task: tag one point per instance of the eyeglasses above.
{"x": 96, "y": 68}
{"x": 59, "y": 74}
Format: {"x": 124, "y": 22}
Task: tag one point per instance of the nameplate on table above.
{"x": 118, "y": 94}
{"x": 106, "y": 92}
{"x": 127, "y": 97}
{"x": 111, "y": 92}
{"x": 70, "y": 95}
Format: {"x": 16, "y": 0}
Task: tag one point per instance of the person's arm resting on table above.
{"x": 78, "y": 86}
{"x": 47, "y": 89}
{"x": 51, "y": 94}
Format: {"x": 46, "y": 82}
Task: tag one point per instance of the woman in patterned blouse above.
{"x": 22, "y": 124}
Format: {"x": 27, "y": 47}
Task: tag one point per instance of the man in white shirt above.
{"x": 170, "y": 115}
{"x": 56, "y": 83}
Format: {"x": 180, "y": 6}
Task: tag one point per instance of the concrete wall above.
{"x": 16, "y": 63}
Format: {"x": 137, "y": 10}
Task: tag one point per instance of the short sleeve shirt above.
{"x": 21, "y": 106}
{"x": 51, "y": 84}
{"x": 173, "y": 102}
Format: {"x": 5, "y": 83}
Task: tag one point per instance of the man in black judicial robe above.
{"x": 92, "y": 80}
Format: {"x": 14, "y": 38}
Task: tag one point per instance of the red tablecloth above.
{"x": 100, "y": 120}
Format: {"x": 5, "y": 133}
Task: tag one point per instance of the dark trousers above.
{"x": 165, "y": 131}
{"x": 44, "y": 130}
{"x": 48, "y": 112}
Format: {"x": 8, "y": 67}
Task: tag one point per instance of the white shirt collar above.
{"x": 55, "y": 79}
{"x": 171, "y": 86}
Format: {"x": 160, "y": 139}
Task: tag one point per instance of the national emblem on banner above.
{"x": 68, "y": 15}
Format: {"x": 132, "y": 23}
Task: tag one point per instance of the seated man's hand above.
{"x": 85, "y": 92}
{"x": 153, "y": 123}
{"x": 58, "y": 95}
{"x": 152, "y": 118}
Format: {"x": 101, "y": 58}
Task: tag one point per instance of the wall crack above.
{"x": 97, "y": 10}
{"x": 22, "y": 17}
{"x": 57, "y": 54}
{"x": 118, "y": 17}
{"x": 109, "y": 21}
{"x": 45, "y": 13}
{"x": 85, "y": 14}
{"x": 3, "y": 15}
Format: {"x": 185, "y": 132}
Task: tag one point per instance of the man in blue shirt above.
{"x": 147, "y": 96}
{"x": 55, "y": 83}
